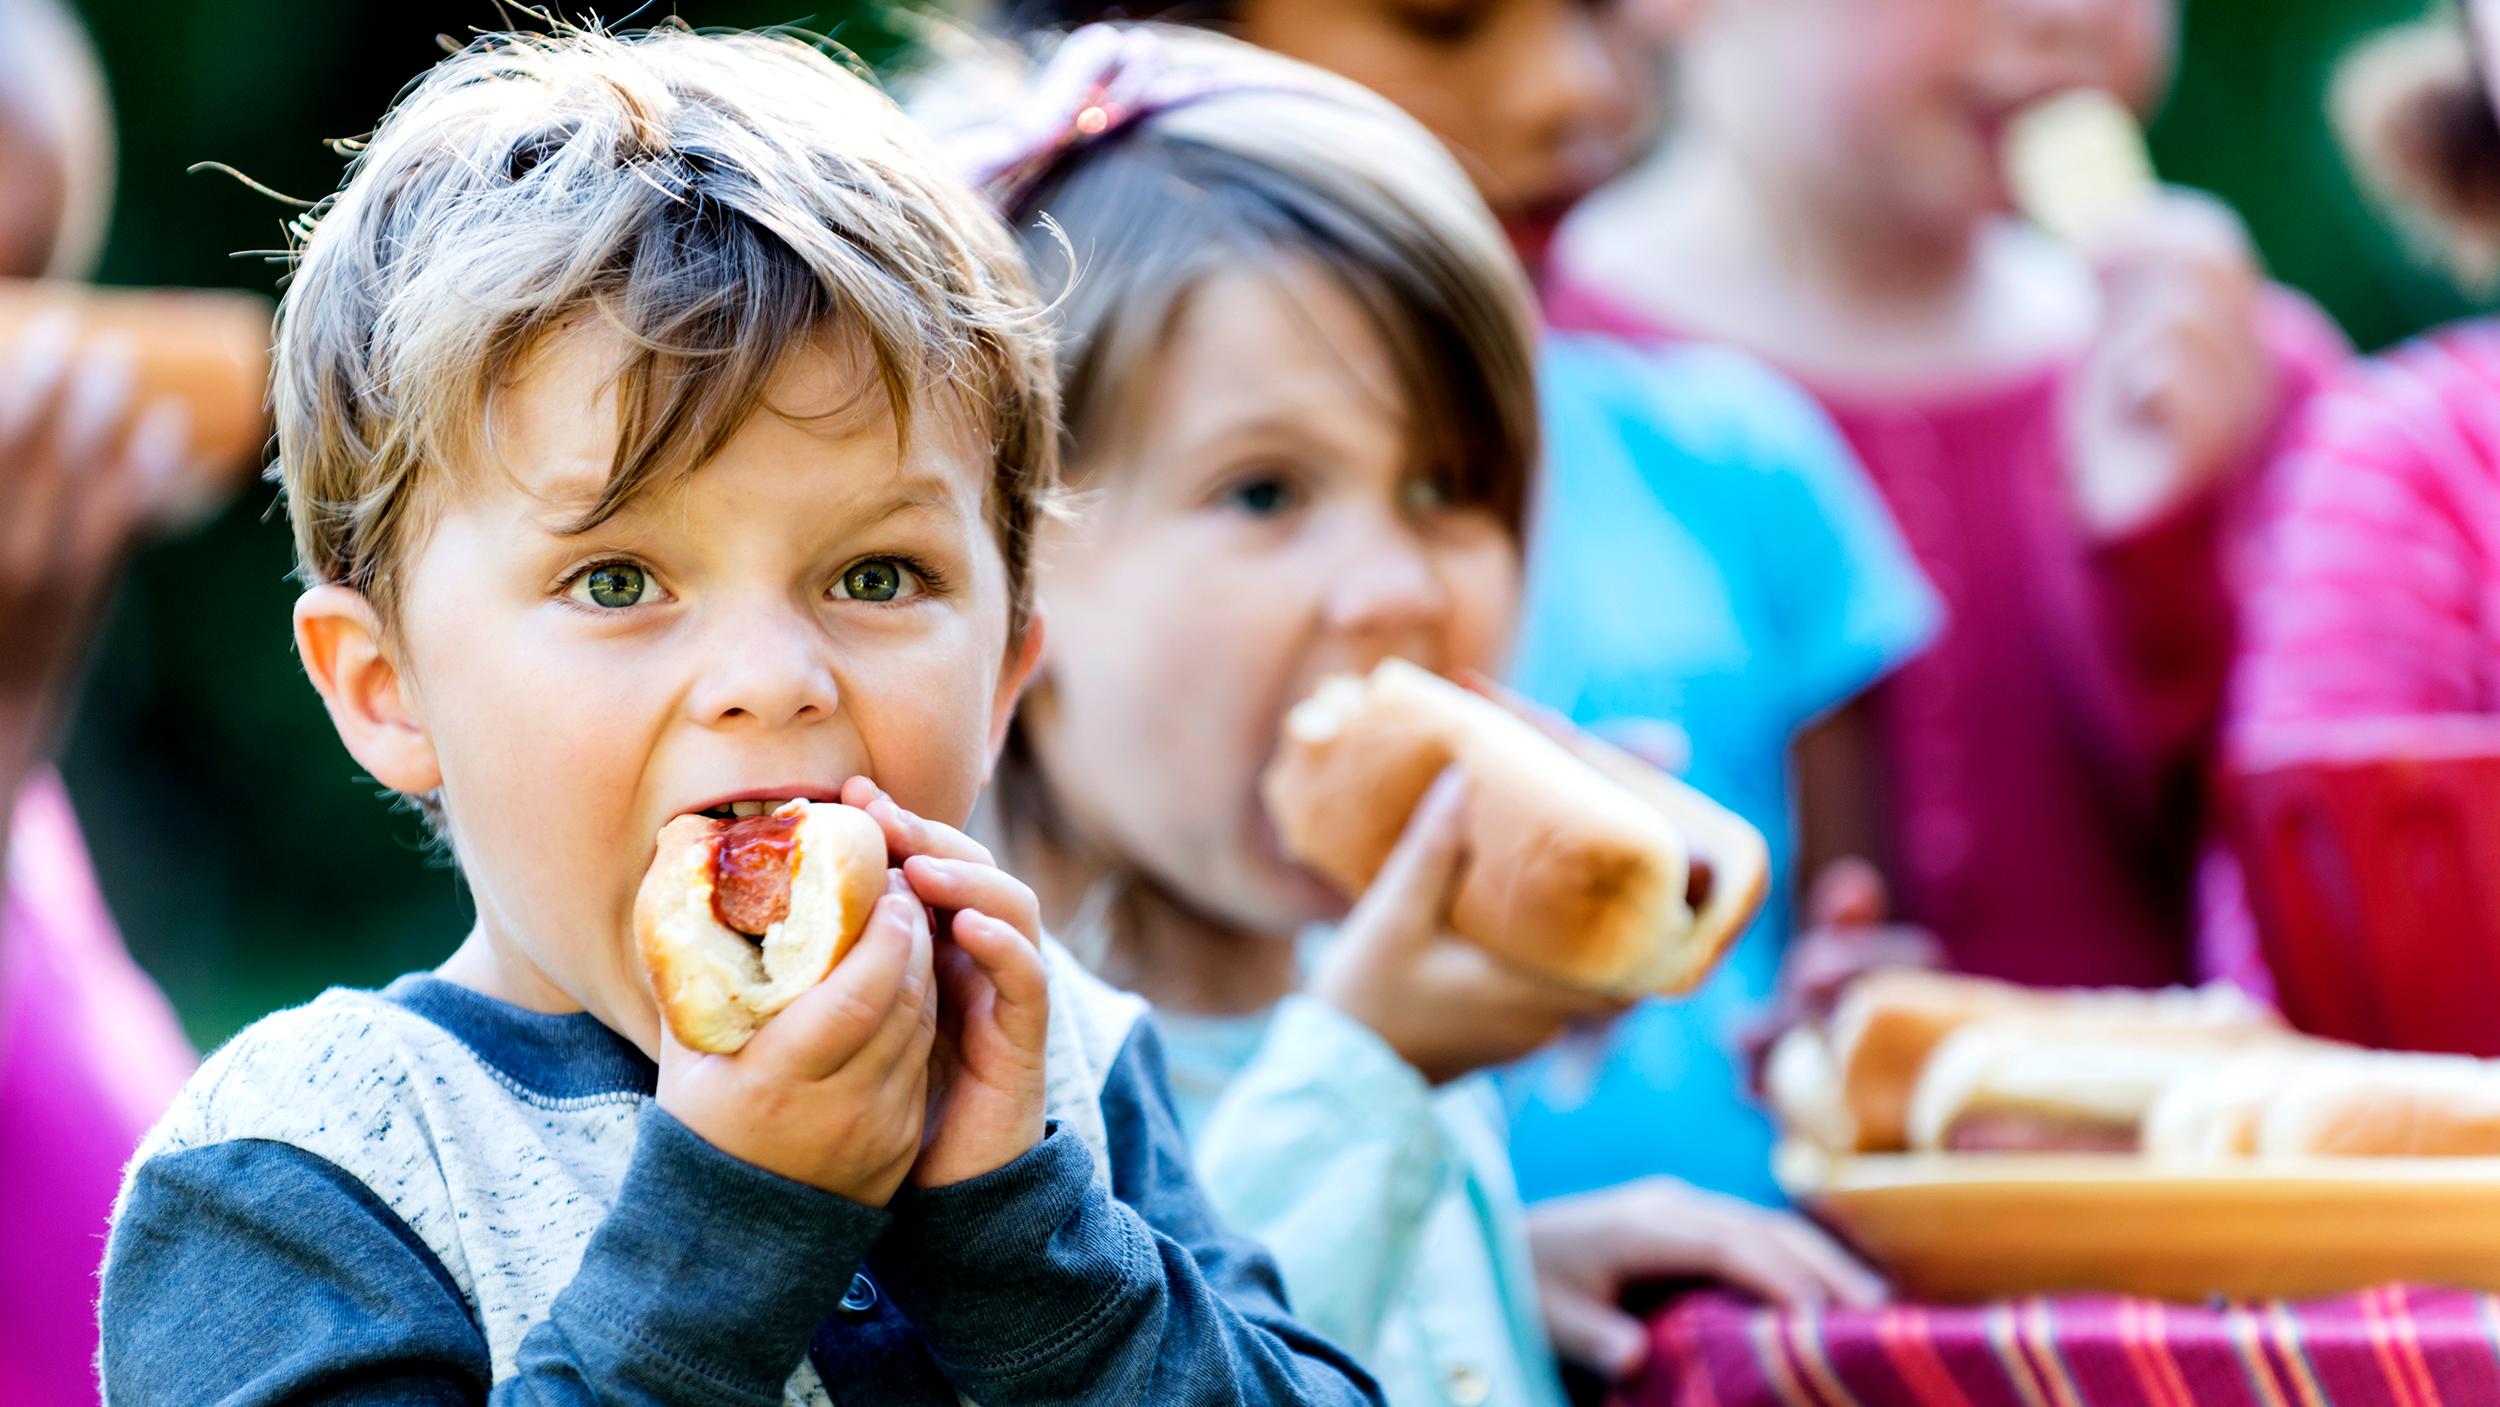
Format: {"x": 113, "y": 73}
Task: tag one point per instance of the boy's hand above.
{"x": 832, "y": 1092}
{"x": 986, "y": 1070}
{"x": 1443, "y": 1004}
{"x": 1592, "y": 1247}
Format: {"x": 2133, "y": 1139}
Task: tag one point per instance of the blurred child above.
{"x": 2380, "y": 556}
{"x": 89, "y": 1051}
{"x": 1696, "y": 478}
{"x": 2063, "y": 436}
{"x": 662, "y": 428}
{"x": 1302, "y": 419}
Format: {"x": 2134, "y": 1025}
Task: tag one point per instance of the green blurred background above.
{"x": 268, "y": 869}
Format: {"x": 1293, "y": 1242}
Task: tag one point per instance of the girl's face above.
{"x": 1258, "y": 523}
{"x": 1897, "y": 109}
{"x": 1540, "y": 99}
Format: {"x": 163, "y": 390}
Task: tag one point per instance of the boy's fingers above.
{"x": 1007, "y": 958}
{"x": 907, "y": 835}
{"x": 832, "y": 1022}
{"x": 961, "y": 885}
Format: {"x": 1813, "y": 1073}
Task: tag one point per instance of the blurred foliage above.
{"x": 265, "y": 869}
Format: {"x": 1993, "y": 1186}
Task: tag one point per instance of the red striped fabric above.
{"x": 2395, "y": 1346}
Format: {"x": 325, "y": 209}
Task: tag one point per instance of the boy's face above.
{"x": 1259, "y": 524}
{"x": 1540, "y": 99}
{"x": 813, "y": 603}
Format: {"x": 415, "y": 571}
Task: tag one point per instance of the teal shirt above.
{"x": 1706, "y": 554}
{"x": 1388, "y": 1204}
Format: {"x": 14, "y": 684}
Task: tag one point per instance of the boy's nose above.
{"x": 769, "y": 678}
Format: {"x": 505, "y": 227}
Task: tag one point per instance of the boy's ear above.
{"x": 339, "y": 637}
{"x": 1022, "y": 661}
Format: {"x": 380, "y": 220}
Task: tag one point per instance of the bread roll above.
{"x": 1890, "y": 1023}
{"x": 208, "y": 349}
{"x": 1583, "y": 863}
{"x": 2017, "y": 1087}
{"x": 2385, "y": 1105}
{"x": 800, "y": 882}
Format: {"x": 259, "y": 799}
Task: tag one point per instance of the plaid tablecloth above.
{"x": 2396, "y": 1347}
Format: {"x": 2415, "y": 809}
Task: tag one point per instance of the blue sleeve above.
{"x": 1034, "y": 1284}
{"x": 254, "y": 1272}
{"x": 1846, "y": 600}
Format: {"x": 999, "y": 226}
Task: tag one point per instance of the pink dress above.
{"x": 2040, "y": 766}
{"x": 90, "y": 1055}
{"x": 2377, "y": 589}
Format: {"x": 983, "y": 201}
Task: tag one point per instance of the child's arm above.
{"x": 1028, "y": 1279}
{"x": 1035, "y": 1284}
{"x": 251, "y": 1271}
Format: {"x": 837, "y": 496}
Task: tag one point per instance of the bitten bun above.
{"x": 715, "y": 984}
{"x": 1581, "y": 859}
{"x": 208, "y": 349}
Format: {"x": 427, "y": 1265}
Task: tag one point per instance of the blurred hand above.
{"x": 986, "y": 1074}
{"x": 1443, "y": 1004}
{"x": 833, "y": 1091}
{"x": 83, "y": 469}
{"x": 1592, "y": 1247}
{"x": 1846, "y": 937}
{"x": 2178, "y": 387}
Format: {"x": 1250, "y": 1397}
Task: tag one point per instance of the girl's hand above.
{"x": 1444, "y": 1005}
{"x": 2179, "y": 387}
{"x": 1592, "y": 1247}
{"x": 83, "y": 469}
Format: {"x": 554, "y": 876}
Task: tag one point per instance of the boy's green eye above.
{"x": 877, "y": 579}
{"x": 615, "y": 585}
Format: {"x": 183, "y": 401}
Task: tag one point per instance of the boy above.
{"x": 661, "y": 430}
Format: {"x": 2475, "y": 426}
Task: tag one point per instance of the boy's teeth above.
{"x": 749, "y": 808}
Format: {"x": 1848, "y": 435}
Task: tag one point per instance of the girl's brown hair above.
{"x": 2414, "y": 108}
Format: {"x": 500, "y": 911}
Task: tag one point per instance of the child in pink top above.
{"x": 2377, "y": 588}
{"x": 90, "y": 1054}
{"x": 2063, "y": 438}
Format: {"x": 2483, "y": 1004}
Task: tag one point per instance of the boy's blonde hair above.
{"x": 718, "y": 200}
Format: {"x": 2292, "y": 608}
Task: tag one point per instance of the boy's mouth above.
{"x": 762, "y": 801}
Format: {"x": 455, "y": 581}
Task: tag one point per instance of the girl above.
{"x": 1697, "y": 478}
{"x": 2381, "y": 554}
{"x": 1302, "y": 417}
{"x": 2062, "y": 440}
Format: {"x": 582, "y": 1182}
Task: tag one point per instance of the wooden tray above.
{"x": 1971, "y": 1227}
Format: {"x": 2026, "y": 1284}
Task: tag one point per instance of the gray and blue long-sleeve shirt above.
{"x": 424, "y": 1195}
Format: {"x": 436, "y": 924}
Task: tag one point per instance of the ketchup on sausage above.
{"x": 753, "y": 858}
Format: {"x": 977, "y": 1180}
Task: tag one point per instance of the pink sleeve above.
{"x": 2164, "y": 597}
{"x": 2364, "y": 596}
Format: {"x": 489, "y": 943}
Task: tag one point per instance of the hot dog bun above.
{"x": 1580, "y": 859}
{"x": 1890, "y": 1024}
{"x": 716, "y": 985}
{"x": 208, "y": 349}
